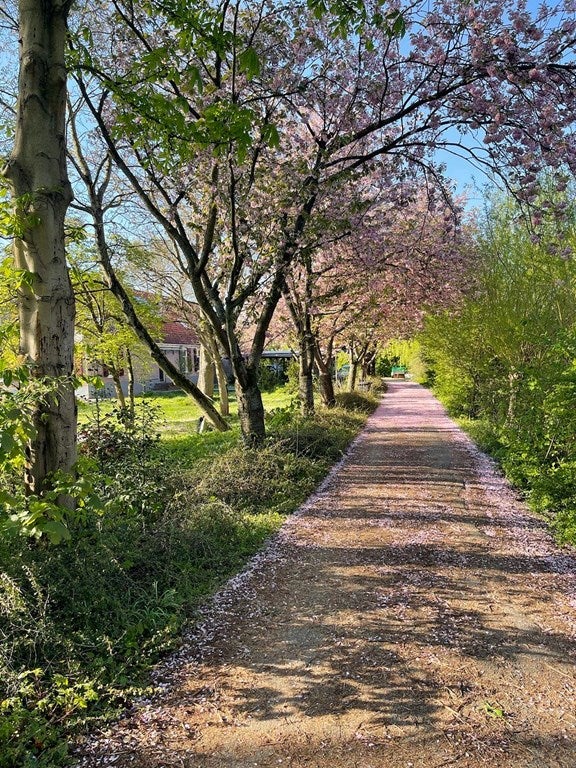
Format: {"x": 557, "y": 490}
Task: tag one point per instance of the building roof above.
{"x": 176, "y": 332}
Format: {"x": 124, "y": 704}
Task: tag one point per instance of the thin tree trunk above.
{"x": 222, "y": 387}
{"x": 305, "y": 379}
{"x": 97, "y": 212}
{"x": 131, "y": 381}
{"x": 207, "y": 371}
{"x": 513, "y": 379}
{"x": 39, "y": 181}
{"x": 204, "y": 403}
{"x": 210, "y": 346}
{"x": 352, "y": 374}
{"x": 117, "y": 386}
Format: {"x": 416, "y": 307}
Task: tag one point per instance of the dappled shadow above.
{"x": 353, "y": 664}
{"x": 369, "y": 749}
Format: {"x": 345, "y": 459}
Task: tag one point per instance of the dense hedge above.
{"x": 505, "y": 360}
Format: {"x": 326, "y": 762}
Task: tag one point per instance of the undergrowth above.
{"x": 81, "y": 623}
{"x": 548, "y": 486}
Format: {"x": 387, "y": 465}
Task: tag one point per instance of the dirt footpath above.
{"x": 412, "y": 615}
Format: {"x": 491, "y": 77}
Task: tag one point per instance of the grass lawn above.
{"x": 179, "y": 417}
{"x": 178, "y": 411}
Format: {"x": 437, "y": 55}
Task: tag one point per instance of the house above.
{"x": 179, "y": 343}
{"x": 181, "y": 346}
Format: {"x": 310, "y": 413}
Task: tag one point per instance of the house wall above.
{"x": 147, "y": 375}
{"x": 185, "y": 358}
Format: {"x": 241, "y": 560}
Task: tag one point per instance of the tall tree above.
{"x": 95, "y": 183}
{"x": 38, "y": 177}
{"x": 203, "y": 124}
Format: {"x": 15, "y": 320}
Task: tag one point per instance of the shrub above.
{"x": 356, "y": 401}
{"x": 378, "y": 385}
{"x": 254, "y": 480}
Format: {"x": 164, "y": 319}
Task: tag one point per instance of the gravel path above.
{"x": 411, "y": 615}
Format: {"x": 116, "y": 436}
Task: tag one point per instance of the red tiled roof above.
{"x": 175, "y": 332}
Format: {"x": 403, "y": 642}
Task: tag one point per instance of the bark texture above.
{"x": 326, "y": 387}
{"x": 325, "y": 380}
{"x": 250, "y": 406}
{"x": 222, "y": 388}
{"x": 305, "y": 378}
{"x": 37, "y": 173}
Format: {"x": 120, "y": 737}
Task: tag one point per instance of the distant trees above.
{"x": 364, "y": 288}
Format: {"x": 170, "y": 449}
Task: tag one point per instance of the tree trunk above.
{"x": 117, "y": 386}
{"x": 207, "y": 371}
{"x": 352, "y": 374}
{"x": 222, "y": 387}
{"x": 248, "y": 396}
{"x": 305, "y": 380}
{"x": 250, "y": 409}
{"x": 180, "y": 380}
{"x": 204, "y": 403}
{"x": 39, "y": 181}
{"x": 326, "y": 386}
{"x": 325, "y": 381}
{"x": 131, "y": 380}
{"x": 513, "y": 380}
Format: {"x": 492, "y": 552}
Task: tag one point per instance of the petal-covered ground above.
{"x": 413, "y": 614}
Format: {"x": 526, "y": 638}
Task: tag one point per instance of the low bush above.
{"x": 254, "y": 480}
{"x": 356, "y": 401}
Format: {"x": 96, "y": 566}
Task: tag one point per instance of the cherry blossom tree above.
{"x": 237, "y": 172}
{"x": 374, "y": 283}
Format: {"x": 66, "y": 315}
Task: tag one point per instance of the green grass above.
{"x": 179, "y": 411}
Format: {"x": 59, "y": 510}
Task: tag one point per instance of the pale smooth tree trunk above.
{"x": 513, "y": 382}
{"x": 206, "y": 372}
{"x": 222, "y": 387}
{"x": 37, "y": 173}
{"x": 209, "y": 348}
{"x": 131, "y": 382}
{"x": 117, "y": 386}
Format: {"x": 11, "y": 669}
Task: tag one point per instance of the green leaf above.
{"x": 493, "y": 710}
{"x": 249, "y": 63}
{"x": 270, "y": 135}
{"x": 56, "y": 531}
{"x": 195, "y": 81}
